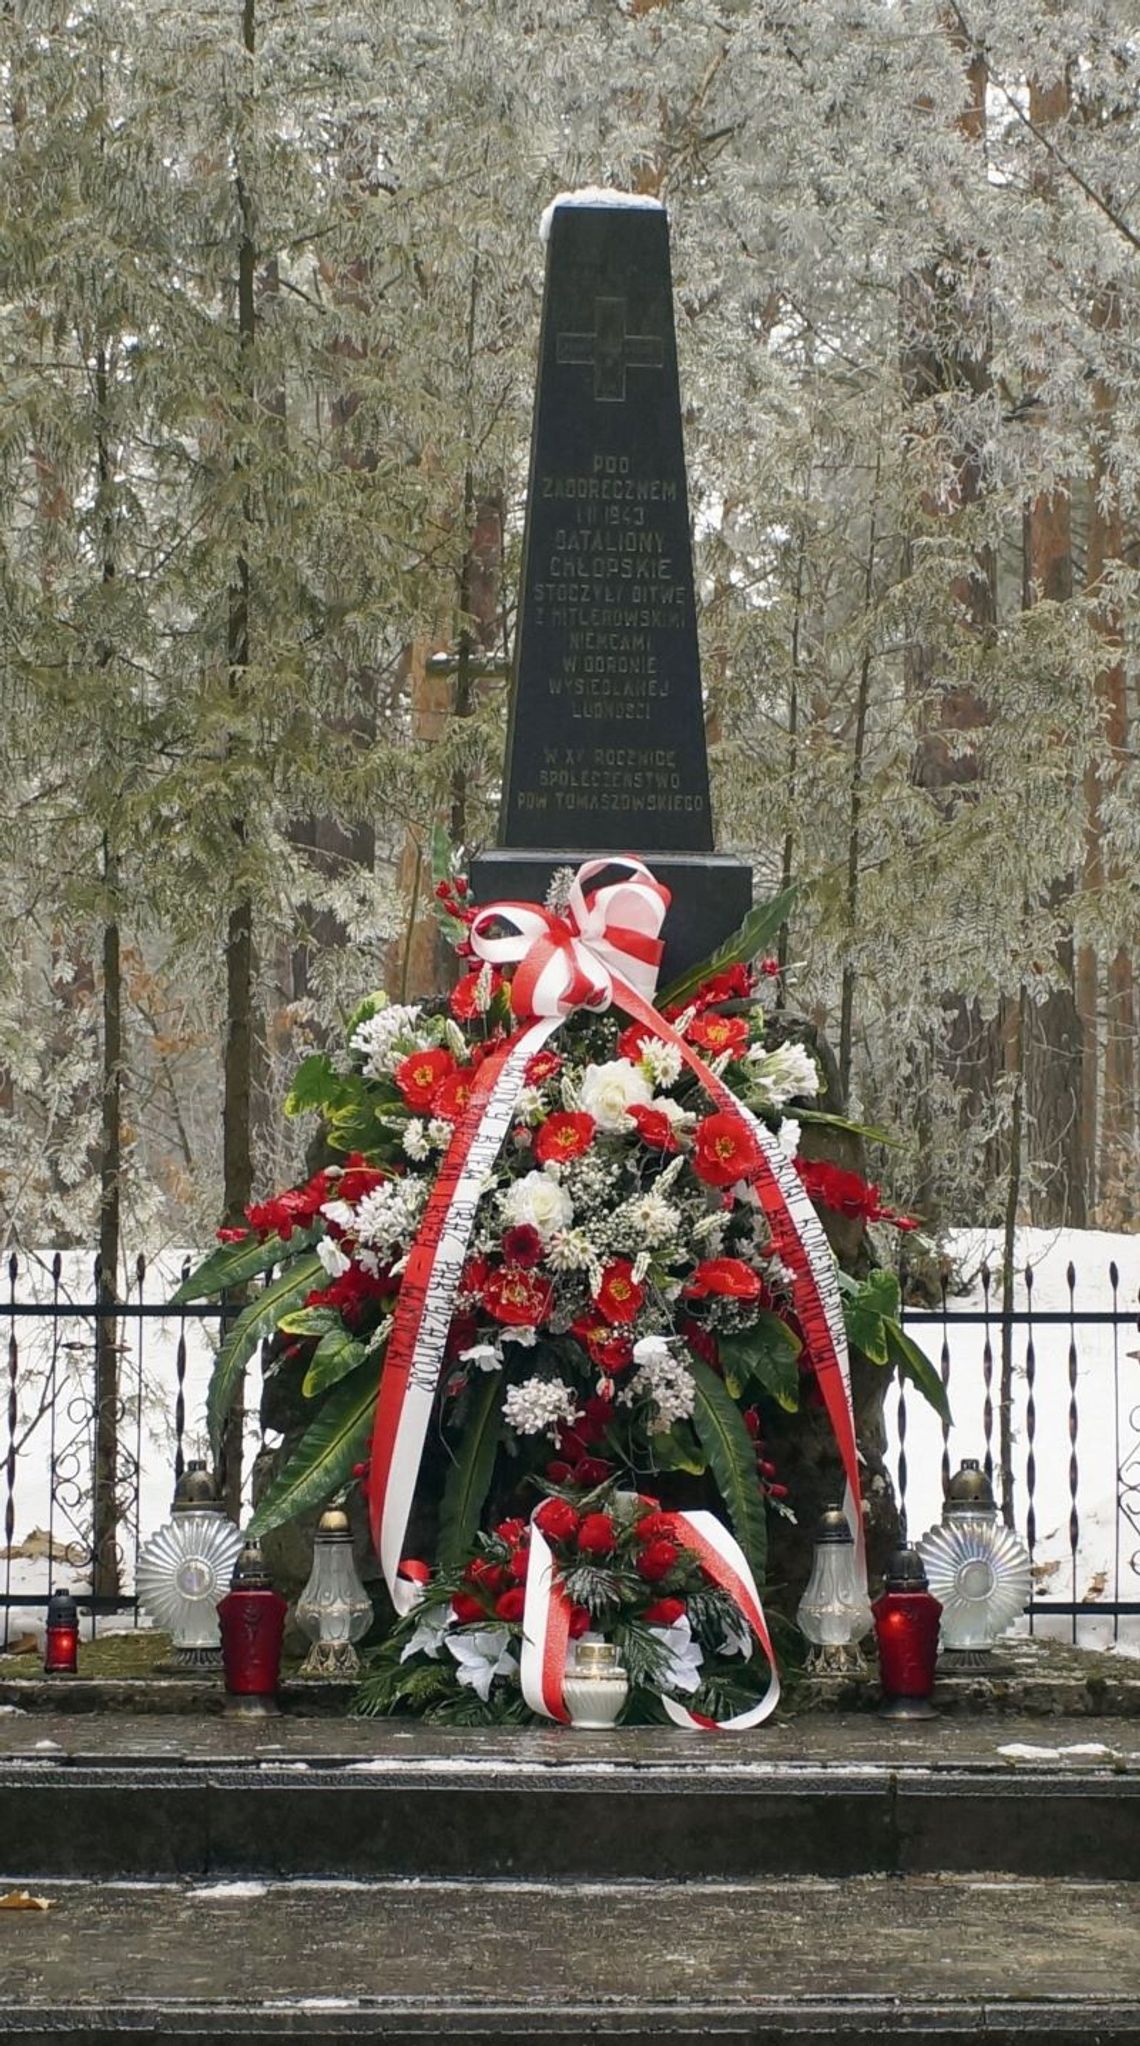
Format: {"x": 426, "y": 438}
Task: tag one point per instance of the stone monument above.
{"x": 606, "y": 745}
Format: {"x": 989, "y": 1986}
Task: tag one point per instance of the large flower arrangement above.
{"x": 623, "y": 1325}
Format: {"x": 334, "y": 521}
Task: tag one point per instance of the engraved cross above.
{"x": 611, "y": 350}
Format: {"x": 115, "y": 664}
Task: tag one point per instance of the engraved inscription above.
{"x": 611, "y": 350}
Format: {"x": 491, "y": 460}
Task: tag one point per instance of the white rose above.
{"x": 609, "y": 1092}
{"x": 539, "y": 1200}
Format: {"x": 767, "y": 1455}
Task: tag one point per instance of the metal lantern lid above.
{"x": 905, "y": 1572}
{"x": 250, "y": 1573}
{"x": 333, "y": 1525}
{"x": 196, "y": 1492}
{"x": 62, "y": 1610}
{"x": 833, "y": 1526}
{"x": 969, "y": 1492}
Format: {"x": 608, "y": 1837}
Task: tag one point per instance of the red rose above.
{"x": 580, "y": 1622}
{"x": 619, "y": 1296}
{"x": 653, "y": 1127}
{"x": 415, "y": 1571}
{"x": 593, "y": 1470}
{"x": 729, "y": 1277}
{"x": 512, "y": 1532}
{"x": 564, "y": 1136}
{"x": 418, "y": 1076}
{"x": 597, "y": 1535}
{"x": 519, "y": 1565}
{"x": 664, "y": 1612}
{"x": 542, "y": 1067}
{"x": 654, "y": 1527}
{"x": 559, "y": 1473}
{"x": 485, "y": 1575}
{"x": 517, "y": 1297}
{"x": 557, "y": 1519}
{"x": 522, "y": 1245}
{"x": 718, "y": 1033}
{"x": 656, "y": 1560}
{"x": 724, "y": 1150}
{"x": 512, "y": 1603}
{"x": 453, "y": 1093}
{"x": 467, "y": 1609}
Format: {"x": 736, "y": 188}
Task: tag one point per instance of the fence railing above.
{"x": 1047, "y": 1396}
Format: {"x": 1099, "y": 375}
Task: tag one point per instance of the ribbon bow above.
{"x": 571, "y": 962}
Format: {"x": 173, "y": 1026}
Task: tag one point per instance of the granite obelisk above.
{"x": 606, "y": 745}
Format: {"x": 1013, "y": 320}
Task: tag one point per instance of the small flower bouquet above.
{"x": 622, "y": 1319}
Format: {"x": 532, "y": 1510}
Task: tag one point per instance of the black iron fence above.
{"x": 1047, "y": 1397}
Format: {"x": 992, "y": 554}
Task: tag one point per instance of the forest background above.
{"x": 270, "y": 281}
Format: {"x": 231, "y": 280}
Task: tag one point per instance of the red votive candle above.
{"x": 61, "y": 1637}
{"x": 906, "y": 1619}
{"x": 252, "y": 1621}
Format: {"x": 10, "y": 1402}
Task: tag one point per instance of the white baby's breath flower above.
{"x": 660, "y": 1062}
{"x": 661, "y": 1378}
{"x": 332, "y": 1257}
{"x": 538, "y": 1404}
{"x": 609, "y": 1091}
{"x": 414, "y": 1139}
{"x": 539, "y": 1201}
{"x": 389, "y": 1216}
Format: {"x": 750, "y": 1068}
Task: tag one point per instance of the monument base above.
{"x": 712, "y": 894}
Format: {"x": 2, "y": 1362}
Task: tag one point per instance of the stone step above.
{"x": 956, "y": 1959}
{"x": 378, "y": 1800}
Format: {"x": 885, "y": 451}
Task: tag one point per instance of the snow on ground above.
{"x": 1106, "y": 1410}
{"x": 1107, "y": 1401}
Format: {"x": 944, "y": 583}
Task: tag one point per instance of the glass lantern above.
{"x": 834, "y": 1614}
{"x": 334, "y": 1609}
{"x": 978, "y": 1568}
{"x": 184, "y": 1570}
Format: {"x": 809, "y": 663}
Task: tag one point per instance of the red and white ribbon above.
{"x": 607, "y": 949}
{"x": 546, "y": 1621}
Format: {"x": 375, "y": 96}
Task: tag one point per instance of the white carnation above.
{"x": 785, "y": 1072}
{"x": 539, "y": 1201}
{"x": 377, "y": 1039}
{"x": 660, "y": 1062}
{"x": 538, "y": 1404}
{"x": 609, "y": 1091}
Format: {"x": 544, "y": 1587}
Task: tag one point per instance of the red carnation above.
{"x": 542, "y": 1067}
{"x": 511, "y": 1605}
{"x": 522, "y": 1245}
{"x": 564, "y": 1136}
{"x": 580, "y": 1622}
{"x": 664, "y": 1612}
{"x": 418, "y": 1076}
{"x": 656, "y": 1560}
{"x": 519, "y": 1298}
{"x": 557, "y": 1519}
{"x": 597, "y": 1535}
{"x": 619, "y": 1296}
{"x": 467, "y": 1609}
{"x": 718, "y": 1033}
{"x": 653, "y": 1127}
{"x": 453, "y": 1093}
{"x": 728, "y": 1276}
{"x": 724, "y": 1150}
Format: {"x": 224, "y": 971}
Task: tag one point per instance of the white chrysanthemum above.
{"x": 661, "y": 1378}
{"x": 538, "y": 1404}
{"x": 660, "y": 1062}
{"x": 785, "y": 1072}
{"x": 572, "y": 1251}
{"x": 415, "y": 1139}
{"x": 376, "y": 1040}
{"x": 332, "y": 1257}
{"x": 440, "y": 1133}
{"x": 649, "y": 1219}
{"x": 539, "y": 1201}
{"x": 608, "y": 1092}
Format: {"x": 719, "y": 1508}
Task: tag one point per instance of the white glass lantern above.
{"x": 834, "y": 1614}
{"x": 334, "y": 1609}
{"x": 595, "y": 1686}
{"x": 978, "y": 1569}
{"x": 184, "y": 1570}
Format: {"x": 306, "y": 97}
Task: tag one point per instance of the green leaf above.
{"x": 323, "y": 1459}
{"x": 868, "y": 1130}
{"x": 259, "y": 1319}
{"x": 758, "y": 929}
{"x": 676, "y": 1449}
{"x": 469, "y": 1479}
{"x": 310, "y": 1321}
{"x": 354, "y": 1127}
{"x": 914, "y": 1364}
{"x": 441, "y": 862}
{"x": 316, "y": 1085}
{"x": 865, "y": 1312}
{"x": 764, "y": 1354}
{"x": 335, "y": 1356}
{"x": 732, "y": 1460}
{"x": 233, "y": 1263}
